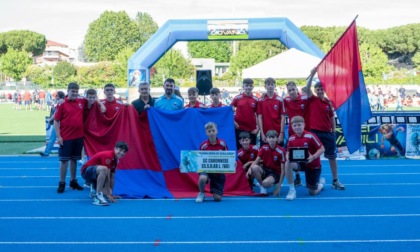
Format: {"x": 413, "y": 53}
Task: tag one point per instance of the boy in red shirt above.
{"x": 99, "y": 172}
{"x": 272, "y": 171}
{"x": 217, "y": 180}
{"x": 192, "y": 97}
{"x": 312, "y": 166}
{"x": 247, "y": 154}
{"x": 215, "y": 98}
{"x": 245, "y": 119}
{"x": 112, "y": 104}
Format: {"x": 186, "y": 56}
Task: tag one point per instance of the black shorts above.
{"x": 267, "y": 172}
{"x": 71, "y": 149}
{"x": 311, "y": 176}
{"x": 89, "y": 174}
{"x": 217, "y": 182}
{"x": 328, "y": 140}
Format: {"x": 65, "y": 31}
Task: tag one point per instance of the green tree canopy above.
{"x": 109, "y": 34}
{"x": 64, "y": 73}
{"x": 22, "y": 40}
{"x": 220, "y": 51}
{"x": 246, "y": 57}
{"x": 146, "y": 26}
{"x": 14, "y": 63}
{"x": 39, "y": 75}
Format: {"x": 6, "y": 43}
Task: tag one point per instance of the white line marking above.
{"x": 203, "y": 242}
{"x": 208, "y": 217}
{"x": 250, "y": 198}
{"x": 41, "y": 168}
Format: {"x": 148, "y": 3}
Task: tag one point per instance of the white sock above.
{"x": 292, "y": 187}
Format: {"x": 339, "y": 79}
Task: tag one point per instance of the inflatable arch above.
{"x": 215, "y": 30}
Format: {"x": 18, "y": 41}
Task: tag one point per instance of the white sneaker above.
{"x": 321, "y": 183}
{"x": 200, "y": 197}
{"x": 263, "y": 190}
{"x": 100, "y": 200}
{"x": 291, "y": 195}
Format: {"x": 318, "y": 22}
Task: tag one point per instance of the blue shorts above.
{"x": 328, "y": 140}
{"x": 267, "y": 172}
{"x": 217, "y": 182}
{"x": 89, "y": 174}
{"x": 311, "y": 176}
{"x": 71, "y": 149}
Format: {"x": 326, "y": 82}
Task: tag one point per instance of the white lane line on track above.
{"x": 241, "y": 198}
{"x": 208, "y": 217}
{"x": 160, "y": 242}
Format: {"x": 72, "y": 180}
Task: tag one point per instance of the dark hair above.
{"x": 91, "y": 92}
{"x": 122, "y": 145}
{"x": 318, "y": 84}
{"x": 73, "y": 85}
{"x": 248, "y": 81}
{"x": 61, "y": 95}
{"x": 170, "y": 80}
{"x": 290, "y": 83}
{"x": 270, "y": 81}
{"x": 244, "y": 134}
{"x": 271, "y": 133}
{"x": 193, "y": 90}
{"x": 109, "y": 85}
{"x": 215, "y": 90}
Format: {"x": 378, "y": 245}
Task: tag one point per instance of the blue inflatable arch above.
{"x": 207, "y": 29}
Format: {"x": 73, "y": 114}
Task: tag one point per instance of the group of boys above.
{"x": 99, "y": 171}
{"x": 311, "y": 125}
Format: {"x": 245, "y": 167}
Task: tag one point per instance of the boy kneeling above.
{"x": 99, "y": 172}
{"x": 312, "y": 166}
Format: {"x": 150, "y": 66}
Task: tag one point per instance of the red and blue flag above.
{"x": 340, "y": 73}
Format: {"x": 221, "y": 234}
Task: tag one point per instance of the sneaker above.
{"x": 43, "y": 155}
{"x": 61, "y": 187}
{"x": 82, "y": 161}
{"x": 337, "y": 185}
{"x": 263, "y": 190}
{"x": 75, "y": 186}
{"x": 291, "y": 195}
{"x": 99, "y": 200}
{"x": 200, "y": 197}
{"x": 92, "y": 192}
{"x": 321, "y": 183}
{"x": 86, "y": 184}
{"x": 298, "y": 182}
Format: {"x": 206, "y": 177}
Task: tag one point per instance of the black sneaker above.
{"x": 75, "y": 186}
{"x": 43, "y": 155}
{"x": 298, "y": 182}
{"x": 61, "y": 187}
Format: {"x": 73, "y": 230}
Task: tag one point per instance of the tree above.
{"x": 14, "y": 63}
{"x": 220, "y": 51}
{"x": 28, "y": 41}
{"x": 172, "y": 65}
{"x": 39, "y": 75}
{"x": 374, "y": 63}
{"x": 246, "y": 57}
{"x": 97, "y": 75}
{"x": 121, "y": 64}
{"x": 146, "y": 26}
{"x": 109, "y": 34}
{"x": 64, "y": 73}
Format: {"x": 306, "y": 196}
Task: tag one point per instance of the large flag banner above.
{"x": 150, "y": 169}
{"x": 340, "y": 73}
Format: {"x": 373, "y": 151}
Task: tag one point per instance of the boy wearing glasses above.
{"x": 112, "y": 104}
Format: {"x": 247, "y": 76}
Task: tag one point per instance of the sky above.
{"x": 67, "y": 21}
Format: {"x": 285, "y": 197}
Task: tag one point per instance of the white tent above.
{"x": 291, "y": 64}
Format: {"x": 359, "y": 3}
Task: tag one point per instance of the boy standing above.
{"x": 192, "y": 97}
{"x": 217, "y": 180}
{"x": 215, "y": 98}
{"x": 245, "y": 115}
{"x": 312, "y": 166}
{"x": 68, "y": 125}
{"x": 100, "y": 171}
{"x": 273, "y": 157}
{"x": 112, "y": 104}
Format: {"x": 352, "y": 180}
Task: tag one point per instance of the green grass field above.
{"x": 21, "y": 130}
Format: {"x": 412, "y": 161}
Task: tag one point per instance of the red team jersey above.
{"x": 321, "y": 113}
{"x": 309, "y": 140}
{"x": 272, "y": 159}
{"x": 112, "y": 107}
{"x": 197, "y": 105}
{"x": 212, "y": 105}
{"x": 105, "y": 158}
{"x": 220, "y": 145}
{"x": 246, "y": 108}
{"x": 271, "y": 110}
{"x": 298, "y": 107}
{"x": 248, "y": 155}
{"x": 70, "y": 116}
